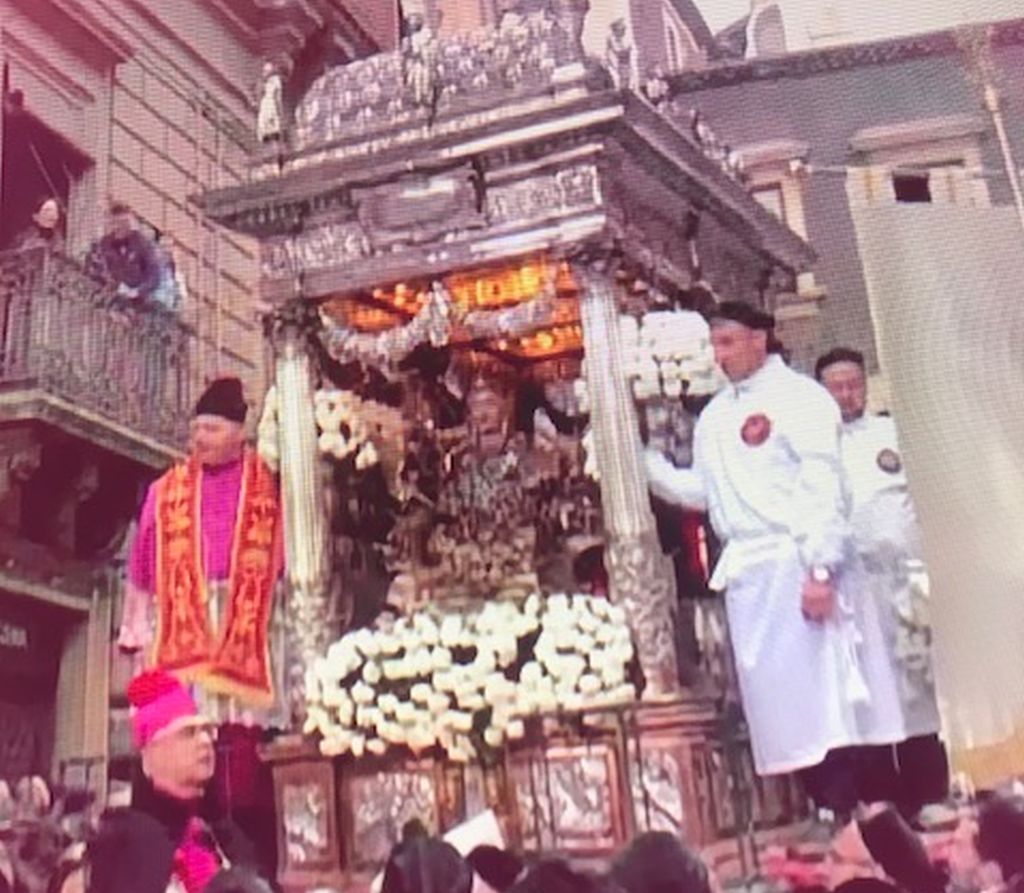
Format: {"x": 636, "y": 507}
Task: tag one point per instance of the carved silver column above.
{"x": 642, "y": 578}
{"x": 305, "y": 525}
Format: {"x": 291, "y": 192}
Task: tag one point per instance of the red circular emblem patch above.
{"x": 889, "y": 461}
{"x": 756, "y": 430}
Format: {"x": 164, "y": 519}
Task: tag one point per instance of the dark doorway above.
{"x": 31, "y": 638}
{"x": 37, "y": 164}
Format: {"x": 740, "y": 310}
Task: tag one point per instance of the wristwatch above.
{"x": 821, "y": 574}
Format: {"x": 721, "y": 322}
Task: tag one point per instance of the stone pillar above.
{"x": 642, "y": 577}
{"x": 305, "y": 524}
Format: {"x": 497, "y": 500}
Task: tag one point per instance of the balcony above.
{"x": 73, "y": 358}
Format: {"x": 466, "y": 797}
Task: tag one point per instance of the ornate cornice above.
{"x": 832, "y": 59}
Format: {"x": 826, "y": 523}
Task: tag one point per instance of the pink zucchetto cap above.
{"x": 159, "y": 704}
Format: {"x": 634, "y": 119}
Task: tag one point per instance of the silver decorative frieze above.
{"x": 545, "y": 196}
{"x": 317, "y": 248}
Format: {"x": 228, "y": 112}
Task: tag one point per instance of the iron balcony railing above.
{"x": 71, "y": 337}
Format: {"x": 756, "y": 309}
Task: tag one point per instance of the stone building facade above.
{"x": 823, "y": 131}
{"x": 145, "y": 104}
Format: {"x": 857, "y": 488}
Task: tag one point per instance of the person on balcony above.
{"x": 168, "y": 294}
{"x": 204, "y": 567}
{"x": 125, "y": 258}
{"x": 46, "y": 229}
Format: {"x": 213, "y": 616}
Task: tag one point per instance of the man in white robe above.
{"x": 889, "y": 570}
{"x": 813, "y": 675}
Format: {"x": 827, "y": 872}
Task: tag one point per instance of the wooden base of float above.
{"x": 576, "y": 786}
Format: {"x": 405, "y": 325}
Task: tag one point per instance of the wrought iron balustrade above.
{"x": 71, "y": 338}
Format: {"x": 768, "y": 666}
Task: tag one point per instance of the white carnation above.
{"x": 421, "y": 663}
{"x": 438, "y": 703}
{"x": 516, "y": 730}
{"x": 558, "y": 603}
{"x": 531, "y": 673}
{"x": 451, "y": 630}
{"x": 589, "y": 684}
{"x": 473, "y": 702}
{"x": 547, "y": 702}
{"x": 494, "y": 737}
{"x": 441, "y": 658}
{"x": 371, "y": 672}
{"x": 485, "y": 663}
{"x": 388, "y": 704}
{"x": 362, "y": 693}
{"x": 421, "y": 740}
{"x": 377, "y": 747}
{"x": 332, "y": 747}
{"x": 358, "y": 745}
{"x": 332, "y": 694}
{"x": 346, "y": 712}
{"x": 625, "y": 692}
{"x": 420, "y": 693}
{"x": 460, "y": 720}
{"x": 314, "y": 716}
{"x": 565, "y": 640}
{"x": 389, "y": 644}
{"x": 424, "y": 624}
{"x": 613, "y": 675}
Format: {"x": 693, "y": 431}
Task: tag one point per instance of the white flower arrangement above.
{"x": 666, "y": 351}
{"x": 347, "y": 424}
{"x": 466, "y": 681}
{"x": 344, "y": 423}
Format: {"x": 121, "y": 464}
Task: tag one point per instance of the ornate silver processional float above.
{"x": 483, "y": 259}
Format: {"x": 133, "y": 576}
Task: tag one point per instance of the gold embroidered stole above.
{"x": 236, "y": 661}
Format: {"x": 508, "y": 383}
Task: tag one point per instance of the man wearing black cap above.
{"x": 889, "y": 570}
{"x": 204, "y": 566}
{"x": 767, "y": 468}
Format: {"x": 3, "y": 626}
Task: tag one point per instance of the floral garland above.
{"x": 343, "y": 428}
{"x": 465, "y": 681}
{"x": 434, "y": 324}
{"x": 667, "y": 351}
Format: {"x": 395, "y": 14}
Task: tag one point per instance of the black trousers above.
{"x": 909, "y": 775}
